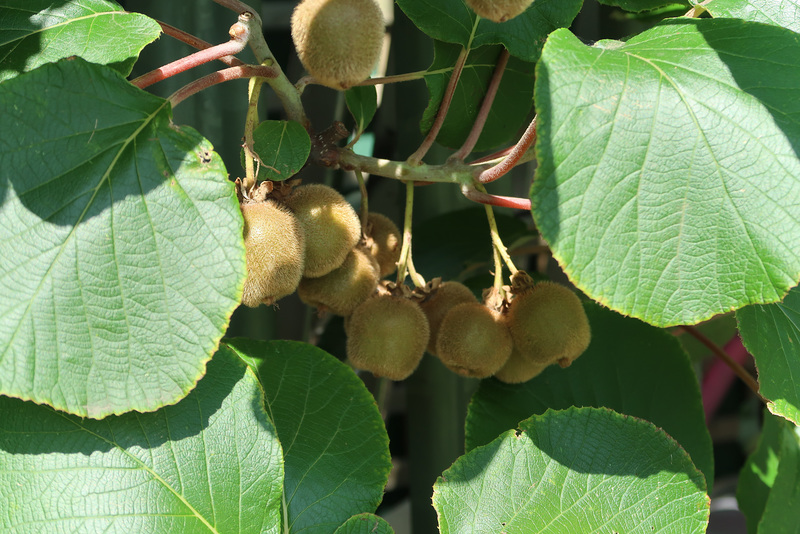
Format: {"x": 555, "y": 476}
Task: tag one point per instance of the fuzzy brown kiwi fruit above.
{"x": 548, "y": 324}
{"x": 385, "y": 243}
{"x": 387, "y": 335}
{"x": 518, "y": 369}
{"x": 473, "y": 340}
{"x": 338, "y": 41}
{"x": 331, "y": 226}
{"x": 344, "y": 288}
{"x": 499, "y": 10}
{"x": 440, "y": 301}
{"x": 274, "y": 249}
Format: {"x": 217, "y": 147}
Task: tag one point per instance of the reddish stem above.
{"x": 718, "y": 377}
{"x": 493, "y": 173}
{"x": 483, "y": 112}
{"x": 224, "y": 75}
{"x": 427, "y": 143}
{"x": 496, "y": 200}
{"x": 735, "y": 366}
{"x": 239, "y": 32}
{"x": 196, "y": 42}
{"x": 490, "y": 157}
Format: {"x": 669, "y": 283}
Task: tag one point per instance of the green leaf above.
{"x": 452, "y": 21}
{"x": 283, "y": 147}
{"x": 630, "y": 367}
{"x": 771, "y": 333}
{"x": 768, "y": 484}
{"x": 334, "y": 440}
{"x": 637, "y": 6}
{"x": 365, "y": 524}
{"x": 779, "y": 13}
{"x": 579, "y": 470}
{"x": 211, "y": 463}
{"x": 362, "y": 101}
{"x": 35, "y": 32}
{"x": 121, "y": 254}
{"x": 510, "y": 108}
{"x": 448, "y": 244}
{"x": 668, "y": 171}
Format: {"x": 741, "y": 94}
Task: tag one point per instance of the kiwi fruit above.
{"x": 498, "y": 10}
{"x": 518, "y": 369}
{"x": 274, "y": 250}
{"x": 387, "y": 335}
{"x": 331, "y": 226}
{"x": 439, "y": 301}
{"x": 548, "y": 324}
{"x": 338, "y": 41}
{"x": 473, "y": 340}
{"x": 344, "y": 288}
{"x": 385, "y": 242}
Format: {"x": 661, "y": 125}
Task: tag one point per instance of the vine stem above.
{"x": 250, "y": 123}
{"x": 482, "y": 197}
{"x": 444, "y": 106}
{"x": 483, "y": 112}
{"x": 195, "y": 42}
{"x": 497, "y": 243}
{"x": 735, "y": 366}
{"x": 240, "y": 34}
{"x": 513, "y": 158}
{"x": 224, "y": 75}
{"x": 362, "y": 186}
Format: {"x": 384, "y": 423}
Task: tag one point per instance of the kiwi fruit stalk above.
{"x": 331, "y": 226}
{"x": 473, "y": 340}
{"x": 274, "y": 250}
{"x": 338, "y": 41}
{"x": 384, "y": 241}
{"x": 387, "y": 335}
{"x": 548, "y": 324}
{"x": 344, "y": 288}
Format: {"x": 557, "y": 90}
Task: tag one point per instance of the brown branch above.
{"x": 224, "y": 75}
{"x": 513, "y": 157}
{"x": 740, "y": 371}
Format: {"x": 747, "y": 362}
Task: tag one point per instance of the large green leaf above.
{"x": 579, "y": 470}
{"x": 282, "y": 146}
{"x": 452, "y": 21}
{"x": 617, "y": 371}
{"x": 35, "y": 32}
{"x": 121, "y": 254}
{"x": 211, "y": 463}
{"x": 334, "y": 440}
{"x": 509, "y": 110}
{"x": 365, "y": 524}
{"x": 768, "y": 484}
{"x": 771, "y": 333}
{"x": 668, "y": 184}
{"x": 784, "y": 13}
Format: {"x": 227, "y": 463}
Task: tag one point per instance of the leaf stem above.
{"x": 195, "y": 42}
{"x": 512, "y": 158}
{"x": 224, "y": 75}
{"x": 483, "y": 112}
{"x": 239, "y": 32}
{"x": 405, "y": 252}
{"x": 482, "y": 197}
{"x": 444, "y": 106}
{"x": 396, "y": 78}
{"x": 735, "y": 366}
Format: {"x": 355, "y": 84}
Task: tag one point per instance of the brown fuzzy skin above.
{"x": 473, "y": 340}
{"x": 518, "y": 369}
{"x": 387, "y": 335}
{"x": 386, "y": 242}
{"x": 499, "y": 10}
{"x": 338, "y": 41}
{"x": 440, "y": 302}
{"x": 331, "y": 226}
{"x": 274, "y": 249}
{"x": 548, "y": 324}
{"x": 343, "y": 289}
